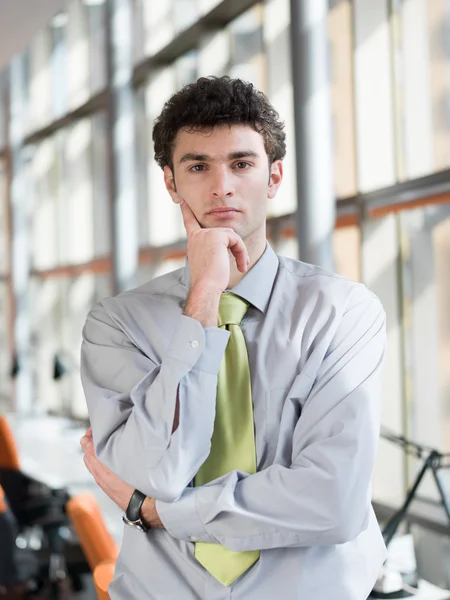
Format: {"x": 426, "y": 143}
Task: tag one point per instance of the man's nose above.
{"x": 222, "y": 184}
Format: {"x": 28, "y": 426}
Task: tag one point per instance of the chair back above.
{"x": 103, "y": 575}
{"x": 9, "y": 455}
{"x": 3, "y": 505}
{"x": 97, "y": 543}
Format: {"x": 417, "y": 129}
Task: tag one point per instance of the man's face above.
{"x": 224, "y": 167}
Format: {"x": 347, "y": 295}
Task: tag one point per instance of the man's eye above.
{"x": 197, "y": 168}
{"x": 242, "y": 164}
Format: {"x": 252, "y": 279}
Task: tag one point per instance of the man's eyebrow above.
{"x": 205, "y": 157}
{"x": 194, "y": 156}
{"x": 243, "y": 154}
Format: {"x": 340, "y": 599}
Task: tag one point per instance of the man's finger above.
{"x": 190, "y": 222}
{"x": 87, "y": 445}
{"x": 87, "y": 458}
{"x": 240, "y": 252}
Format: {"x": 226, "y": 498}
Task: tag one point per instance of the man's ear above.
{"x": 169, "y": 181}
{"x": 276, "y": 177}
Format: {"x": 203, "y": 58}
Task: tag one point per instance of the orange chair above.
{"x": 3, "y": 505}
{"x": 9, "y": 456}
{"x": 103, "y": 575}
{"x": 97, "y": 543}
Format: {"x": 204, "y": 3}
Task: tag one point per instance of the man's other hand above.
{"x": 119, "y": 491}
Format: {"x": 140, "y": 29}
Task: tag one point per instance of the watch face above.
{"x": 138, "y": 524}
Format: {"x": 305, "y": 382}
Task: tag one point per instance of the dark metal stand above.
{"x": 434, "y": 461}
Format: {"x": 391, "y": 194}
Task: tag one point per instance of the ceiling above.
{"x": 20, "y": 20}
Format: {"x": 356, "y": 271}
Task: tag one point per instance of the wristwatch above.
{"x": 133, "y": 516}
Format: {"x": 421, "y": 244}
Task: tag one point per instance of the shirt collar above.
{"x": 256, "y": 286}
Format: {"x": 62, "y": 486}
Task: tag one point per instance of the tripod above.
{"x": 433, "y": 461}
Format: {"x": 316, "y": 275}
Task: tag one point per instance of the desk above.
{"x": 50, "y": 452}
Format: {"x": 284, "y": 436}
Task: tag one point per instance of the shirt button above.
{"x": 194, "y": 344}
{"x": 193, "y": 538}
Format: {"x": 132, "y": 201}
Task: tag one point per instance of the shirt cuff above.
{"x": 193, "y": 345}
{"x": 181, "y": 519}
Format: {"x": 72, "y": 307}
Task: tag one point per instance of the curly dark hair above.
{"x": 215, "y": 101}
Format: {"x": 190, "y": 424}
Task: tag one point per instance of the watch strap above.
{"x": 133, "y": 512}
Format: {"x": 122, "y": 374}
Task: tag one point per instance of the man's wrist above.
{"x": 150, "y": 515}
{"x": 203, "y": 305}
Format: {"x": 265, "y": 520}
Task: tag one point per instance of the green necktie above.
{"x": 233, "y": 439}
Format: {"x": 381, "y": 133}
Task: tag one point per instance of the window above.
{"x": 164, "y": 217}
{"x": 280, "y": 93}
{"x": 346, "y": 246}
{"x": 60, "y": 306}
{"x": 5, "y": 349}
{"x": 247, "y": 49}
{"x": 426, "y": 285}
{"x": 342, "y": 91}
{"x": 40, "y": 81}
{"x": 5, "y": 308}
{"x": 70, "y": 215}
{"x": 379, "y": 267}
{"x": 423, "y": 86}
{"x": 3, "y": 111}
{"x": 375, "y": 139}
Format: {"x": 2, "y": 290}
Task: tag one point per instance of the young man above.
{"x": 239, "y": 395}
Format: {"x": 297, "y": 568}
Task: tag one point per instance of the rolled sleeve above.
{"x": 132, "y": 400}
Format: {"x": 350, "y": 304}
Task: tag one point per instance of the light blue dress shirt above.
{"x": 316, "y": 343}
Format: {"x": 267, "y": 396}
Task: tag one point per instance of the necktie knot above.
{"x": 231, "y": 309}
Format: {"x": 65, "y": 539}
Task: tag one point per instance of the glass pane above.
{"x": 207, "y": 5}
{"x": 346, "y": 245}
{"x": 79, "y": 295}
{"x": 70, "y": 219}
{"x": 186, "y": 70}
{"x": 3, "y": 107}
{"x": 78, "y": 71}
{"x": 342, "y": 93}
{"x": 185, "y": 14}
{"x": 247, "y": 51}
{"x": 423, "y": 86}
{"x": 5, "y": 357}
{"x": 59, "y": 64}
{"x": 3, "y": 221}
{"x": 379, "y": 265}
{"x": 426, "y": 260}
{"x": 376, "y": 164}
{"x": 164, "y": 217}
{"x": 280, "y": 93}
{"x": 286, "y": 246}
{"x": 40, "y": 82}
{"x": 47, "y": 180}
{"x": 138, "y": 31}
{"x": 215, "y": 44}
{"x": 59, "y": 310}
{"x": 97, "y": 46}
{"x": 150, "y": 271}
{"x": 158, "y": 25}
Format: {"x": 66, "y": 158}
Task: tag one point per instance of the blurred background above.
{"x": 365, "y": 85}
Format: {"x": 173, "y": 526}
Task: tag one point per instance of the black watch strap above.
{"x": 133, "y": 512}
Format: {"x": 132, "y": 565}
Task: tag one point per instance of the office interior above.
{"x": 84, "y": 213}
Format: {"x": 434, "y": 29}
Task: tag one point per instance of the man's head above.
{"x": 220, "y": 143}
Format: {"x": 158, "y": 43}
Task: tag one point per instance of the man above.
{"x": 239, "y": 395}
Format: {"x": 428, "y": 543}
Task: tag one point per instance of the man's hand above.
{"x": 119, "y": 491}
{"x": 208, "y": 256}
